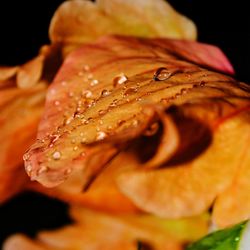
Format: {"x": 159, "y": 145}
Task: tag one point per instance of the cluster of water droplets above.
{"x": 85, "y": 100}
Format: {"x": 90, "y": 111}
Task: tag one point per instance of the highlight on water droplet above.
{"x": 86, "y": 67}
{"x": 56, "y": 155}
{"x": 87, "y": 93}
{"x": 105, "y": 92}
{"x": 94, "y": 82}
{"x": 161, "y": 74}
{"x": 57, "y": 103}
{"x": 100, "y": 135}
{"x": 63, "y": 83}
{"x": 120, "y": 79}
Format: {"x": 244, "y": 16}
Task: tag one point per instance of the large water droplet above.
{"x": 120, "y": 79}
{"x": 56, "y": 155}
{"x": 161, "y": 74}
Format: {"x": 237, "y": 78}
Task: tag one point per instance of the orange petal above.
{"x": 85, "y": 104}
{"x": 19, "y": 117}
{"x": 72, "y": 24}
{"x": 233, "y": 205}
{"x": 188, "y": 187}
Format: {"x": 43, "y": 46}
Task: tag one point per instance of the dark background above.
{"x": 23, "y": 29}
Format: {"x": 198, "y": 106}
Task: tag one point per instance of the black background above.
{"x": 23, "y": 29}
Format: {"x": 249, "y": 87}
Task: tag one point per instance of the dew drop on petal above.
{"x": 90, "y": 76}
{"x": 80, "y": 73}
{"x": 56, "y": 155}
{"x": 120, "y": 79}
{"x": 67, "y": 171}
{"x": 63, "y": 83}
{"x": 87, "y": 93}
{"x": 86, "y": 67}
{"x": 105, "y": 92}
{"x": 161, "y": 74}
{"x": 100, "y": 135}
{"x": 130, "y": 91}
{"x": 94, "y": 82}
{"x": 57, "y": 103}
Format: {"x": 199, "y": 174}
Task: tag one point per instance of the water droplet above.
{"x": 67, "y": 171}
{"x": 130, "y": 91}
{"x": 161, "y": 74}
{"x": 202, "y": 83}
{"x": 120, "y": 79}
{"x": 100, "y": 135}
{"x": 90, "y": 76}
{"x": 87, "y": 93}
{"x": 237, "y": 238}
{"x": 75, "y": 148}
{"x": 90, "y": 119}
{"x": 73, "y": 141}
{"x": 86, "y": 67}
{"x": 105, "y": 92}
{"x": 94, "y": 82}
{"x": 71, "y": 94}
{"x": 110, "y": 127}
{"x": 184, "y": 91}
{"x": 120, "y": 122}
{"x": 56, "y": 155}
{"x": 177, "y": 95}
{"x": 113, "y": 103}
{"x": 83, "y": 140}
{"x": 63, "y": 83}
{"x": 57, "y": 103}
{"x": 42, "y": 170}
{"x": 80, "y": 73}
{"x": 102, "y": 112}
{"x": 135, "y": 123}
{"x": 52, "y": 91}
{"x": 69, "y": 120}
{"x": 100, "y": 121}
